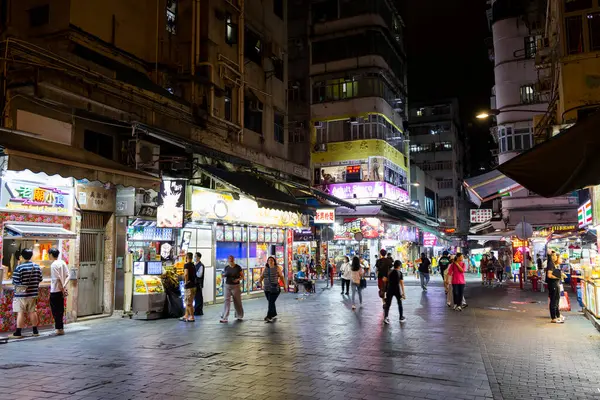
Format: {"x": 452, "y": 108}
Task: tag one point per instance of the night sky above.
{"x": 448, "y": 57}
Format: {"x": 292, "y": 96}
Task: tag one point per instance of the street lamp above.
{"x": 416, "y": 184}
{"x": 494, "y": 112}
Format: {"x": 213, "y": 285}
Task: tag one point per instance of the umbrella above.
{"x": 566, "y": 162}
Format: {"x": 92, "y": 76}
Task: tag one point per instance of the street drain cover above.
{"x": 13, "y": 366}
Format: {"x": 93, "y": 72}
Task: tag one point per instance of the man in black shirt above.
{"x": 424, "y": 270}
{"x": 189, "y": 279}
{"x": 199, "y": 298}
{"x": 395, "y": 288}
{"x": 234, "y": 274}
{"x": 383, "y": 266}
{"x": 444, "y": 263}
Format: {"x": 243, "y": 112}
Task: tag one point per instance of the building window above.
{"x": 445, "y": 183}
{"x": 594, "y": 31}
{"x": 278, "y": 68}
{"x": 228, "y": 103}
{"x": 297, "y": 132}
{"x": 447, "y": 202}
{"x": 528, "y": 94}
{"x": 278, "y": 8}
{"x": 420, "y": 112}
{"x": 253, "y": 114}
{"x": 436, "y": 166}
{"x": 278, "y": 129}
{"x": 577, "y": 5}
{"x": 39, "y": 16}
{"x": 518, "y": 140}
{"x": 172, "y": 16}
{"x": 294, "y": 91}
{"x": 531, "y": 46}
{"x": 98, "y": 143}
{"x": 574, "y": 32}
{"x": 231, "y": 30}
{"x": 253, "y": 47}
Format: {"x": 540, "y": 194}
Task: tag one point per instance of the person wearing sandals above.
{"x": 553, "y": 277}
{"x": 189, "y": 279}
{"x": 356, "y": 274}
{"x": 271, "y": 275}
{"x": 456, "y": 275}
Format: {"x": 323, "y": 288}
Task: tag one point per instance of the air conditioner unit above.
{"x": 147, "y": 156}
{"x": 320, "y": 147}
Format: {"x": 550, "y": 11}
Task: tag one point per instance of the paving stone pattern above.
{"x": 321, "y": 349}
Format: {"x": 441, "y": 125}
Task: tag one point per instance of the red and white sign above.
{"x": 481, "y": 215}
{"x": 584, "y": 214}
{"x": 429, "y": 239}
{"x": 325, "y": 216}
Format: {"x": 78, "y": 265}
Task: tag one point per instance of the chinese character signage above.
{"x": 96, "y": 198}
{"x": 479, "y": 216}
{"x": 325, "y": 216}
{"x": 171, "y": 202}
{"x": 584, "y": 214}
{"x": 36, "y": 198}
{"x": 429, "y": 239}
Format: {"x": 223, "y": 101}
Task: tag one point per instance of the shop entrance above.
{"x": 91, "y": 263}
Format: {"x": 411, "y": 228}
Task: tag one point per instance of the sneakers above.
{"x": 558, "y": 321}
{"x": 35, "y": 334}
{"x": 13, "y": 336}
{"x": 449, "y": 305}
{"x": 457, "y": 308}
{"x": 353, "y": 307}
{"x": 386, "y": 320}
{"x": 402, "y": 319}
{"x": 60, "y": 332}
{"x": 464, "y": 305}
{"x": 223, "y": 321}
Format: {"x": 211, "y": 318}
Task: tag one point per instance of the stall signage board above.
{"x": 35, "y": 198}
{"x": 171, "y": 204}
{"x": 212, "y": 205}
{"x": 429, "y": 239}
{"x": 479, "y": 216}
{"x": 584, "y": 214}
{"x": 96, "y": 198}
{"x": 325, "y": 216}
{"x": 366, "y": 190}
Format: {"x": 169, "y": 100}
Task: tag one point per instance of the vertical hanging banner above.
{"x": 171, "y": 204}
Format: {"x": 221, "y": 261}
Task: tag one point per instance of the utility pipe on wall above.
{"x": 241, "y": 43}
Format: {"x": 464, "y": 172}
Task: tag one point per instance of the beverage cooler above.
{"x": 148, "y": 293}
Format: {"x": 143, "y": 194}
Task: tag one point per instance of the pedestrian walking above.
{"x": 26, "y": 280}
{"x": 189, "y": 286}
{"x": 356, "y": 274}
{"x": 483, "y": 268}
{"x": 424, "y": 270}
{"x": 199, "y": 297}
{"x": 456, "y": 275}
{"x": 553, "y": 277}
{"x": 444, "y": 263}
{"x": 59, "y": 274}
{"x": 329, "y": 272}
{"x": 383, "y": 267}
{"x": 234, "y": 274}
{"x": 499, "y": 270}
{"x": 395, "y": 288}
{"x": 346, "y": 270}
{"x": 271, "y": 275}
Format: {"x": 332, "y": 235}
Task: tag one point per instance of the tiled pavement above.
{"x": 319, "y": 349}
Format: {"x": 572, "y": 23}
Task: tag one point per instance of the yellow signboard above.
{"x": 212, "y": 205}
{"x": 359, "y": 150}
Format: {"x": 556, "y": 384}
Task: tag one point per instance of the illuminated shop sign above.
{"x": 429, "y": 239}
{"x": 211, "y": 205}
{"x": 325, "y": 216}
{"x": 36, "y": 198}
{"x": 367, "y": 190}
{"x": 481, "y": 215}
{"x": 584, "y": 214}
{"x": 374, "y": 228}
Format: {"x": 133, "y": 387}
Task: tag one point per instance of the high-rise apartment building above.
{"x": 523, "y": 106}
{"x": 437, "y": 146}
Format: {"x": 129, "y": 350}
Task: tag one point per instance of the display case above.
{"x": 148, "y": 292}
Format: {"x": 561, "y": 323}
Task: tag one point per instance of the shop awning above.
{"x": 262, "y": 187}
{"x": 564, "y": 163}
{"x": 488, "y": 186}
{"x": 410, "y": 216}
{"x": 37, "y": 155}
{"x": 35, "y": 231}
{"x": 265, "y": 194}
{"x": 361, "y": 211}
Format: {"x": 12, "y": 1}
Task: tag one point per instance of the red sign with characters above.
{"x": 325, "y": 216}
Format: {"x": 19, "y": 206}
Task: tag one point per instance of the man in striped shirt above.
{"x": 26, "y": 281}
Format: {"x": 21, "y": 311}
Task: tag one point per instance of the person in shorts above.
{"x": 26, "y": 281}
{"x": 189, "y": 279}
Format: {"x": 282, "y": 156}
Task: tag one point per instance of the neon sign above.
{"x": 35, "y": 198}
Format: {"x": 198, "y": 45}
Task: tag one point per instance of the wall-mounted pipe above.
{"x": 241, "y": 41}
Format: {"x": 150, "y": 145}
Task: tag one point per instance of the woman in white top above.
{"x": 345, "y": 270}
{"x": 356, "y": 274}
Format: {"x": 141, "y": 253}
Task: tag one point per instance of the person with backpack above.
{"x": 395, "y": 288}
{"x": 199, "y": 297}
{"x": 444, "y": 263}
{"x": 271, "y": 275}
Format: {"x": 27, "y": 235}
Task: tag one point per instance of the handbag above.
{"x": 363, "y": 283}
{"x": 22, "y": 289}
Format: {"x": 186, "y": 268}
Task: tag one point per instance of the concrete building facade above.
{"x": 437, "y": 146}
